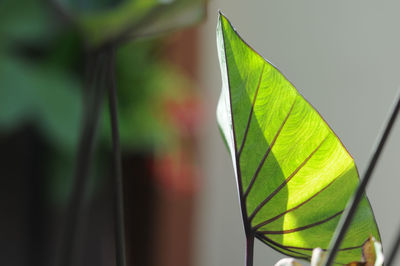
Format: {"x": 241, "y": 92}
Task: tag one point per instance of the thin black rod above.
{"x": 118, "y": 186}
{"x": 393, "y": 251}
{"x": 249, "y": 249}
{"x": 351, "y": 208}
{"x": 91, "y": 113}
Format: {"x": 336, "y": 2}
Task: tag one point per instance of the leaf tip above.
{"x": 221, "y": 16}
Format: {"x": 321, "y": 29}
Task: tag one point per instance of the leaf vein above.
{"x": 251, "y": 112}
{"x": 296, "y": 207}
{"x": 270, "y": 242}
{"x": 265, "y": 238}
{"x": 284, "y": 183}
{"x": 302, "y": 227}
{"x": 261, "y": 164}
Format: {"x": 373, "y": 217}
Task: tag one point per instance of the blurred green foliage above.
{"x": 146, "y": 85}
{"x": 41, "y": 83}
{"x": 105, "y": 20}
{"x": 25, "y": 20}
{"x": 36, "y": 81}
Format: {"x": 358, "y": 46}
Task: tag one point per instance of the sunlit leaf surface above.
{"x": 294, "y": 176}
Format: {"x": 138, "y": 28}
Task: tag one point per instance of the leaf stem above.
{"x": 118, "y": 187}
{"x": 357, "y": 196}
{"x": 249, "y": 249}
{"x": 91, "y": 113}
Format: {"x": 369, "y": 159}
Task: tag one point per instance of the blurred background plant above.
{"x": 44, "y": 50}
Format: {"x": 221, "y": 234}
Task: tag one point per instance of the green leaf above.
{"x": 29, "y": 91}
{"x": 133, "y": 18}
{"x": 175, "y": 14}
{"x": 372, "y": 255}
{"x": 294, "y": 176}
{"x": 33, "y": 22}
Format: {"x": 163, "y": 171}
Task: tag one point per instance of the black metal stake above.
{"x": 118, "y": 188}
{"x": 91, "y": 113}
{"x": 355, "y": 200}
{"x": 393, "y": 251}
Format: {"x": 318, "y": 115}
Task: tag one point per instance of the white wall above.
{"x": 343, "y": 56}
